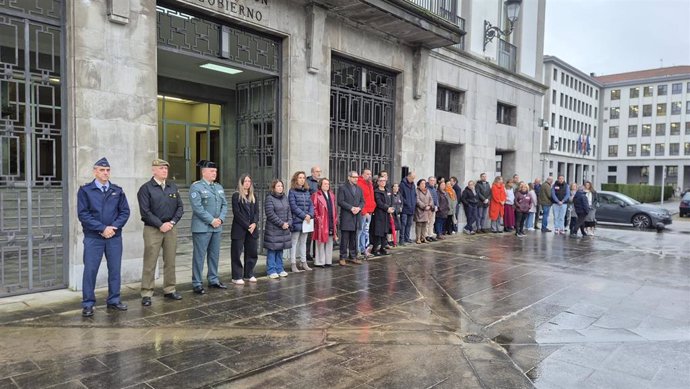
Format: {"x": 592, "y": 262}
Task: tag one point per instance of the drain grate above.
{"x": 473, "y": 338}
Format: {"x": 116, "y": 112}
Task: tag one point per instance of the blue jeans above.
{"x": 406, "y": 221}
{"x": 559, "y": 216}
{"x": 439, "y": 225}
{"x": 206, "y": 244}
{"x": 274, "y": 262}
{"x": 545, "y": 217}
{"x": 471, "y": 212}
{"x": 482, "y": 216}
{"x": 530, "y": 220}
{"x": 457, "y": 216}
{"x": 94, "y": 248}
{"x": 363, "y": 233}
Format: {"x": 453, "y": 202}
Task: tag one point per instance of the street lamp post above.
{"x": 512, "y": 8}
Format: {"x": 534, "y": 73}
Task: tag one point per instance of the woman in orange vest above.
{"x": 496, "y": 206}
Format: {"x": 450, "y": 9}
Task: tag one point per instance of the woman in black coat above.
{"x": 277, "y": 231}
{"x": 470, "y": 202}
{"x": 380, "y": 221}
{"x": 244, "y": 232}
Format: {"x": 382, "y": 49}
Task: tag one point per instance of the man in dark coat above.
{"x": 581, "y": 205}
{"x": 408, "y": 191}
{"x": 351, "y": 202}
{"x": 483, "y": 189}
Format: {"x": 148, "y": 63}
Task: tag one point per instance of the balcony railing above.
{"x": 446, "y": 9}
{"x": 507, "y": 55}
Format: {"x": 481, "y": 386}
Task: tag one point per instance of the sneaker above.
{"x": 252, "y": 279}
{"x": 273, "y": 276}
{"x": 283, "y": 273}
{"x": 238, "y": 282}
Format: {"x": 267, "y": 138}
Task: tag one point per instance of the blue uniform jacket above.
{"x": 208, "y": 202}
{"x": 98, "y": 210}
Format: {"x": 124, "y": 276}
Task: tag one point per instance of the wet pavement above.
{"x": 483, "y": 311}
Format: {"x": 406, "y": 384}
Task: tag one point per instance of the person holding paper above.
{"x": 302, "y": 219}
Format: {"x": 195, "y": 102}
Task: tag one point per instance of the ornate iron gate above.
{"x": 31, "y": 130}
{"x": 361, "y": 125}
{"x": 257, "y": 140}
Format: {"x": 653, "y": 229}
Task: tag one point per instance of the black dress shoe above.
{"x": 173, "y": 296}
{"x": 199, "y": 290}
{"x": 219, "y": 285}
{"x": 87, "y": 312}
{"x": 383, "y": 252}
{"x": 119, "y": 306}
{"x": 146, "y": 301}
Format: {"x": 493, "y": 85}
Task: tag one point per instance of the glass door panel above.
{"x": 176, "y": 138}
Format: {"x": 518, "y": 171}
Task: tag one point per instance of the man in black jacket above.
{"x": 351, "y": 202}
{"x": 483, "y": 189}
{"x": 161, "y": 208}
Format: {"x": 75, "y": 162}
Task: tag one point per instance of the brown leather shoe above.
{"x": 342, "y": 262}
{"x": 356, "y": 261}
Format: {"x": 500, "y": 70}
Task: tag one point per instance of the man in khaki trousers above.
{"x": 160, "y": 205}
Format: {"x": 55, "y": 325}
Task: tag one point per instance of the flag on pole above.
{"x": 579, "y": 143}
{"x": 588, "y": 145}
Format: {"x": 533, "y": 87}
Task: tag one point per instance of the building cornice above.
{"x": 645, "y": 81}
{"x": 572, "y": 69}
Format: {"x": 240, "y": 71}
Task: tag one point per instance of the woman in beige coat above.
{"x": 422, "y": 212}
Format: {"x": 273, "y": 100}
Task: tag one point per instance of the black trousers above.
{"x": 520, "y": 219}
{"x": 249, "y": 246}
{"x": 348, "y": 244}
{"x": 580, "y": 224}
{"x": 379, "y": 242}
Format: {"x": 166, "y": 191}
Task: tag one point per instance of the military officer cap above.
{"x": 206, "y": 164}
{"x": 102, "y": 163}
{"x": 160, "y": 162}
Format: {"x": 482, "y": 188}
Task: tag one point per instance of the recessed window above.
{"x": 687, "y": 148}
{"x": 648, "y": 91}
{"x": 506, "y": 114}
{"x": 661, "y": 129}
{"x": 659, "y": 149}
{"x": 633, "y": 111}
{"x": 661, "y": 90}
{"x": 555, "y": 74}
{"x": 634, "y": 92}
{"x": 553, "y": 97}
{"x": 687, "y": 128}
{"x": 674, "y": 149}
{"x": 646, "y": 130}
{"x": 449, "y": 100}
{"x": 632, "y": 150}
{"x": 613, "y": 169}
{"x": 661, "y": 109}
{"x": 676, "y": 107}
{"x": 613, "y": 151}
{"x": 615, "y": 94}
{"x": 677, "y": 88}
{"x": 613, "y": 132}
{"x": 615, "y": 113}
{"x": 687, "y": 106}
{"x": 645, "y": 150}
{"x": 647, "y": 110}
{"x": 675, "y": 128}
{"x": 632, "y": 131}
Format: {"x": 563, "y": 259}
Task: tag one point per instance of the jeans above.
{"x": 496, "y": 224}
{"x": 274, "y": 262}
{"x": 559, "y": 216}
{"x": 482, "y": 217}
{"x": 471, "y": 213}
{"x": 439, "y": 226}
{"x": 530, "y": 220}
{"x": 406, "y": 221}
{"x": 545, "y": 217}
{"x": 363, "y": 234}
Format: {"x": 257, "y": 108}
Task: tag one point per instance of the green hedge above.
{"x": 640, "y": 192}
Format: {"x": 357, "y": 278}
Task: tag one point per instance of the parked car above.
{"x": 616, "y": 207}
{"x": 684, "y": 207}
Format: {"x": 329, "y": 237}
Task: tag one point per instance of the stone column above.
{"x": 111, "y": 108}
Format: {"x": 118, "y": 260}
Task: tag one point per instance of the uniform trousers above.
{"x": 94, "y": 249}
{"x": 154, "y": 240}
{"x": 206, "y": 245}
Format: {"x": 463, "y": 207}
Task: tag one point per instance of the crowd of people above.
{"x": 368, "y": 217}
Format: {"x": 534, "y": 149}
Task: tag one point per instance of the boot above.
{"x": 305, "y": 266}
{"x": 295, "y": 269}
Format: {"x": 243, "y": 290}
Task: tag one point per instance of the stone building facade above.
{"x": 267, "y": 87}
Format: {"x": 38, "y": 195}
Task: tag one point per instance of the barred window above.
{"x": 450, "y": 100}
{"x": 506, "y": 114}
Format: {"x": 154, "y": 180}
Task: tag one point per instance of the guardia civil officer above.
{"x": 103, "y": 211}
{"x": 209, "y": 208}
{"x": 161, "y": 209}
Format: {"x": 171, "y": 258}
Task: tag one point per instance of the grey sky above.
{"x": 617, "y": 36}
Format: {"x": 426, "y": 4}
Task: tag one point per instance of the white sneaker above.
{"x": 238, "y": 282}
{"x": 283, "y": 273}
{"x": 253, "y": 279}
{"x": 273, "y": 276}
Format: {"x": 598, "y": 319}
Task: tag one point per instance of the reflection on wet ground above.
{"x": 486, "y": 311}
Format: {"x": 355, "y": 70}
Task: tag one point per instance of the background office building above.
{"x": 571, "y": 113}
{"x": 646, "y": 127}
{"x": 266, "y": 87}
